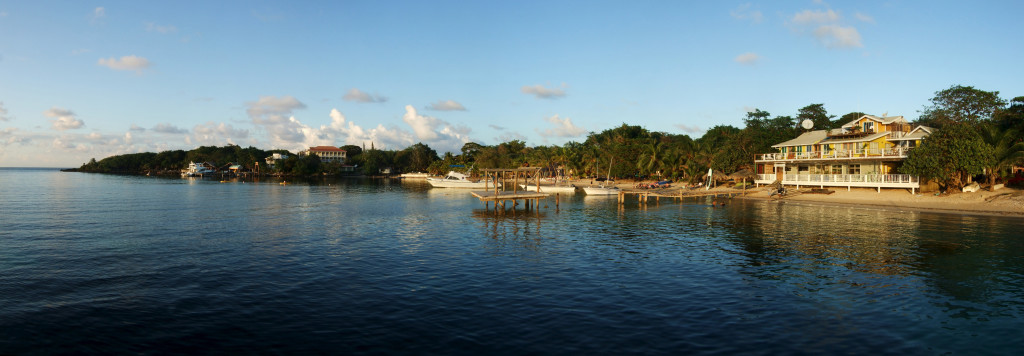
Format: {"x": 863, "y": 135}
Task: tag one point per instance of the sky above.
{"x": 81, "y": 80}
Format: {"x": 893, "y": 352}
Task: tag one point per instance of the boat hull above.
{"x": 451, "y": 183}
{"x": 601, "y": 190}
{"x": 550, "y": 189}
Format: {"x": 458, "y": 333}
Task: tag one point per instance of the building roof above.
{"x": 917, "y": 133}
{"x": 807, "y": 138}
{"x": 883, "y": 119}
{"x": 325, "y": 149}
{"x": 866, "y": 138}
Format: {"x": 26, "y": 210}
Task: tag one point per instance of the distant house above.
{"x": 272, "y": 160}
{"x": 327, "y": 153}
{"x": 865, "y": 152}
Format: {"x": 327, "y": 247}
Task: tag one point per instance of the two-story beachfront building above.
{"x": 865, "y": 152}
{"x": 327, "y": 153}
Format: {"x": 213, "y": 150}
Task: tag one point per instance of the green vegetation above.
{"x": 977, "y": 132}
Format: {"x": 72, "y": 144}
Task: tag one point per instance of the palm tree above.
{"x": 653, "y": 158}
{"x": 1007, "y": 149}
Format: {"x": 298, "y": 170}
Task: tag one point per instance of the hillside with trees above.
{"x": 984, "y": 135}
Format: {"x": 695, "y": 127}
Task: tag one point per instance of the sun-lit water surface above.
{"x": 130, "y": 264}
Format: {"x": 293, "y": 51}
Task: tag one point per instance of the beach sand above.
{"x": 1004, "y": 202}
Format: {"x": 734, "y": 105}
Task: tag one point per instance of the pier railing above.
{"x": 894, "y": 152}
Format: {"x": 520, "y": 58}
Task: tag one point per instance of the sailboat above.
{"x": 604, "y": 189}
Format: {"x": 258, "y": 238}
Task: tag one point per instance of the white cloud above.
{"x": 270, "y": 109}
{"x": 3, "y": 13}
{"x": 360, "y": 96}
{"x": 807, "y": 17}
{"x": 864, "y": 17}
{"x": 212, "y": 133}
{"x": 509, "y": 136}
{"x": 447, "y": 105}
{"x": 169, "y": 129}
{"x": 435, "y": 132}
{"x": 743, "y": 12}
{"x": 689, "y": 129}
{"x": 152, "y": 27}
{"x": 827, "y": 28}
{"x": 131, "y": 62}
{"x": 563, "y": 128}
{"x": 65, "y": 119}
{"x": 3, "y": 112}
{"x": 97, "y": 15}
{"x": 836, "y": 36}
{"x": 749, "y": 58}
{"x": 496, "y": 127}
{"x": 137, "y": 128}
{"x": 541, "y": 92}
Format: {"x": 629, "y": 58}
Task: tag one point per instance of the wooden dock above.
{"x": 499, "y": 197}
{"x": 644, "y": 195}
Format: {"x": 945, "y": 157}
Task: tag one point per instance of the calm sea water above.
{"x": 95, "y": 263}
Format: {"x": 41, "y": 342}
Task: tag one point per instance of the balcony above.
{"x": 877, "y": 153}
{"x": 844, "y": 180}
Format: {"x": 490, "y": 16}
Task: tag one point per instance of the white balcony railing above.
{"x": 856, "y": 180}
{"x": 894, "y": 152}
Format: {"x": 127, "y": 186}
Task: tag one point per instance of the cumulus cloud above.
{"x": 164, "y": 29}
{"x": 217, "y": 134}
{"x": 835, "y": 36}
{"x": 815, "y": 17}
{"x": 864, "y": 17}
{"x": 65, "y": 119}
{"x": 689, "y": 129}
{"x": 435, "y": 131}
{"x": 743, "y": 12}
{"x": 827, "y": 28}
{"x": 447, "y": 105}
{"x": 131, "y": 62}
{"x": 360, "y": 96}
{"x": 137, "y": 128}
{"x": 541, "y": 92}
{"x": 563, "y": 128}
{"x": 3, "y": 112}
{"x": 169, "y": 129}
{"x": 749, "y": 58}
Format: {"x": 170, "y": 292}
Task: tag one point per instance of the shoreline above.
{"x": 1005, "y": 202}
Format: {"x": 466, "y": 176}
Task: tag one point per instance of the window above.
{"x": 804, "y": 169}
{"x": 837, "y": 169}
{"x": 869, "y": 126}
{"x": 854, "y": 169}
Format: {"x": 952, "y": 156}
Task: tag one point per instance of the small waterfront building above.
{"x": 327, "y": 153}
{"x": 272, "y": 159}
{"x": 865, "y": 152}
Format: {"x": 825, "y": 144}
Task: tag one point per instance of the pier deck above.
{"x": 644, "y": 194}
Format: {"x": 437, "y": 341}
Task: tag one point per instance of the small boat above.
{"x": 197, "y": 170}
{"x": 458, "y": 180}
{"x": 564, "y": 189}
{"x": 604, "y": 189}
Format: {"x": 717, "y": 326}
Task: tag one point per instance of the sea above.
{"x": 127, "y": 264}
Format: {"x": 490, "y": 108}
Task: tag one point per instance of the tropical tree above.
{"x": 950, "y": 156}
{"x": 1007, "y": 149}
{"x": 961, "y": 104}
{"x": 818, "y": 115}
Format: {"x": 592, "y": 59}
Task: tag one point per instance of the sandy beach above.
{"x": 1004, "y": 202}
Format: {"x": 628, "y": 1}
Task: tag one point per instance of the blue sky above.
{"x": 80, "y": 80}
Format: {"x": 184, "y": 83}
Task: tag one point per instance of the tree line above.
{"x": 976, "y": 132}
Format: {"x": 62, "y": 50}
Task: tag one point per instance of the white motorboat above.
{"x": 458, "y": 180}
{"x": 197, "y": 170}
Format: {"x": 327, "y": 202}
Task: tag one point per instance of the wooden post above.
{"x": 556, "y": 200}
